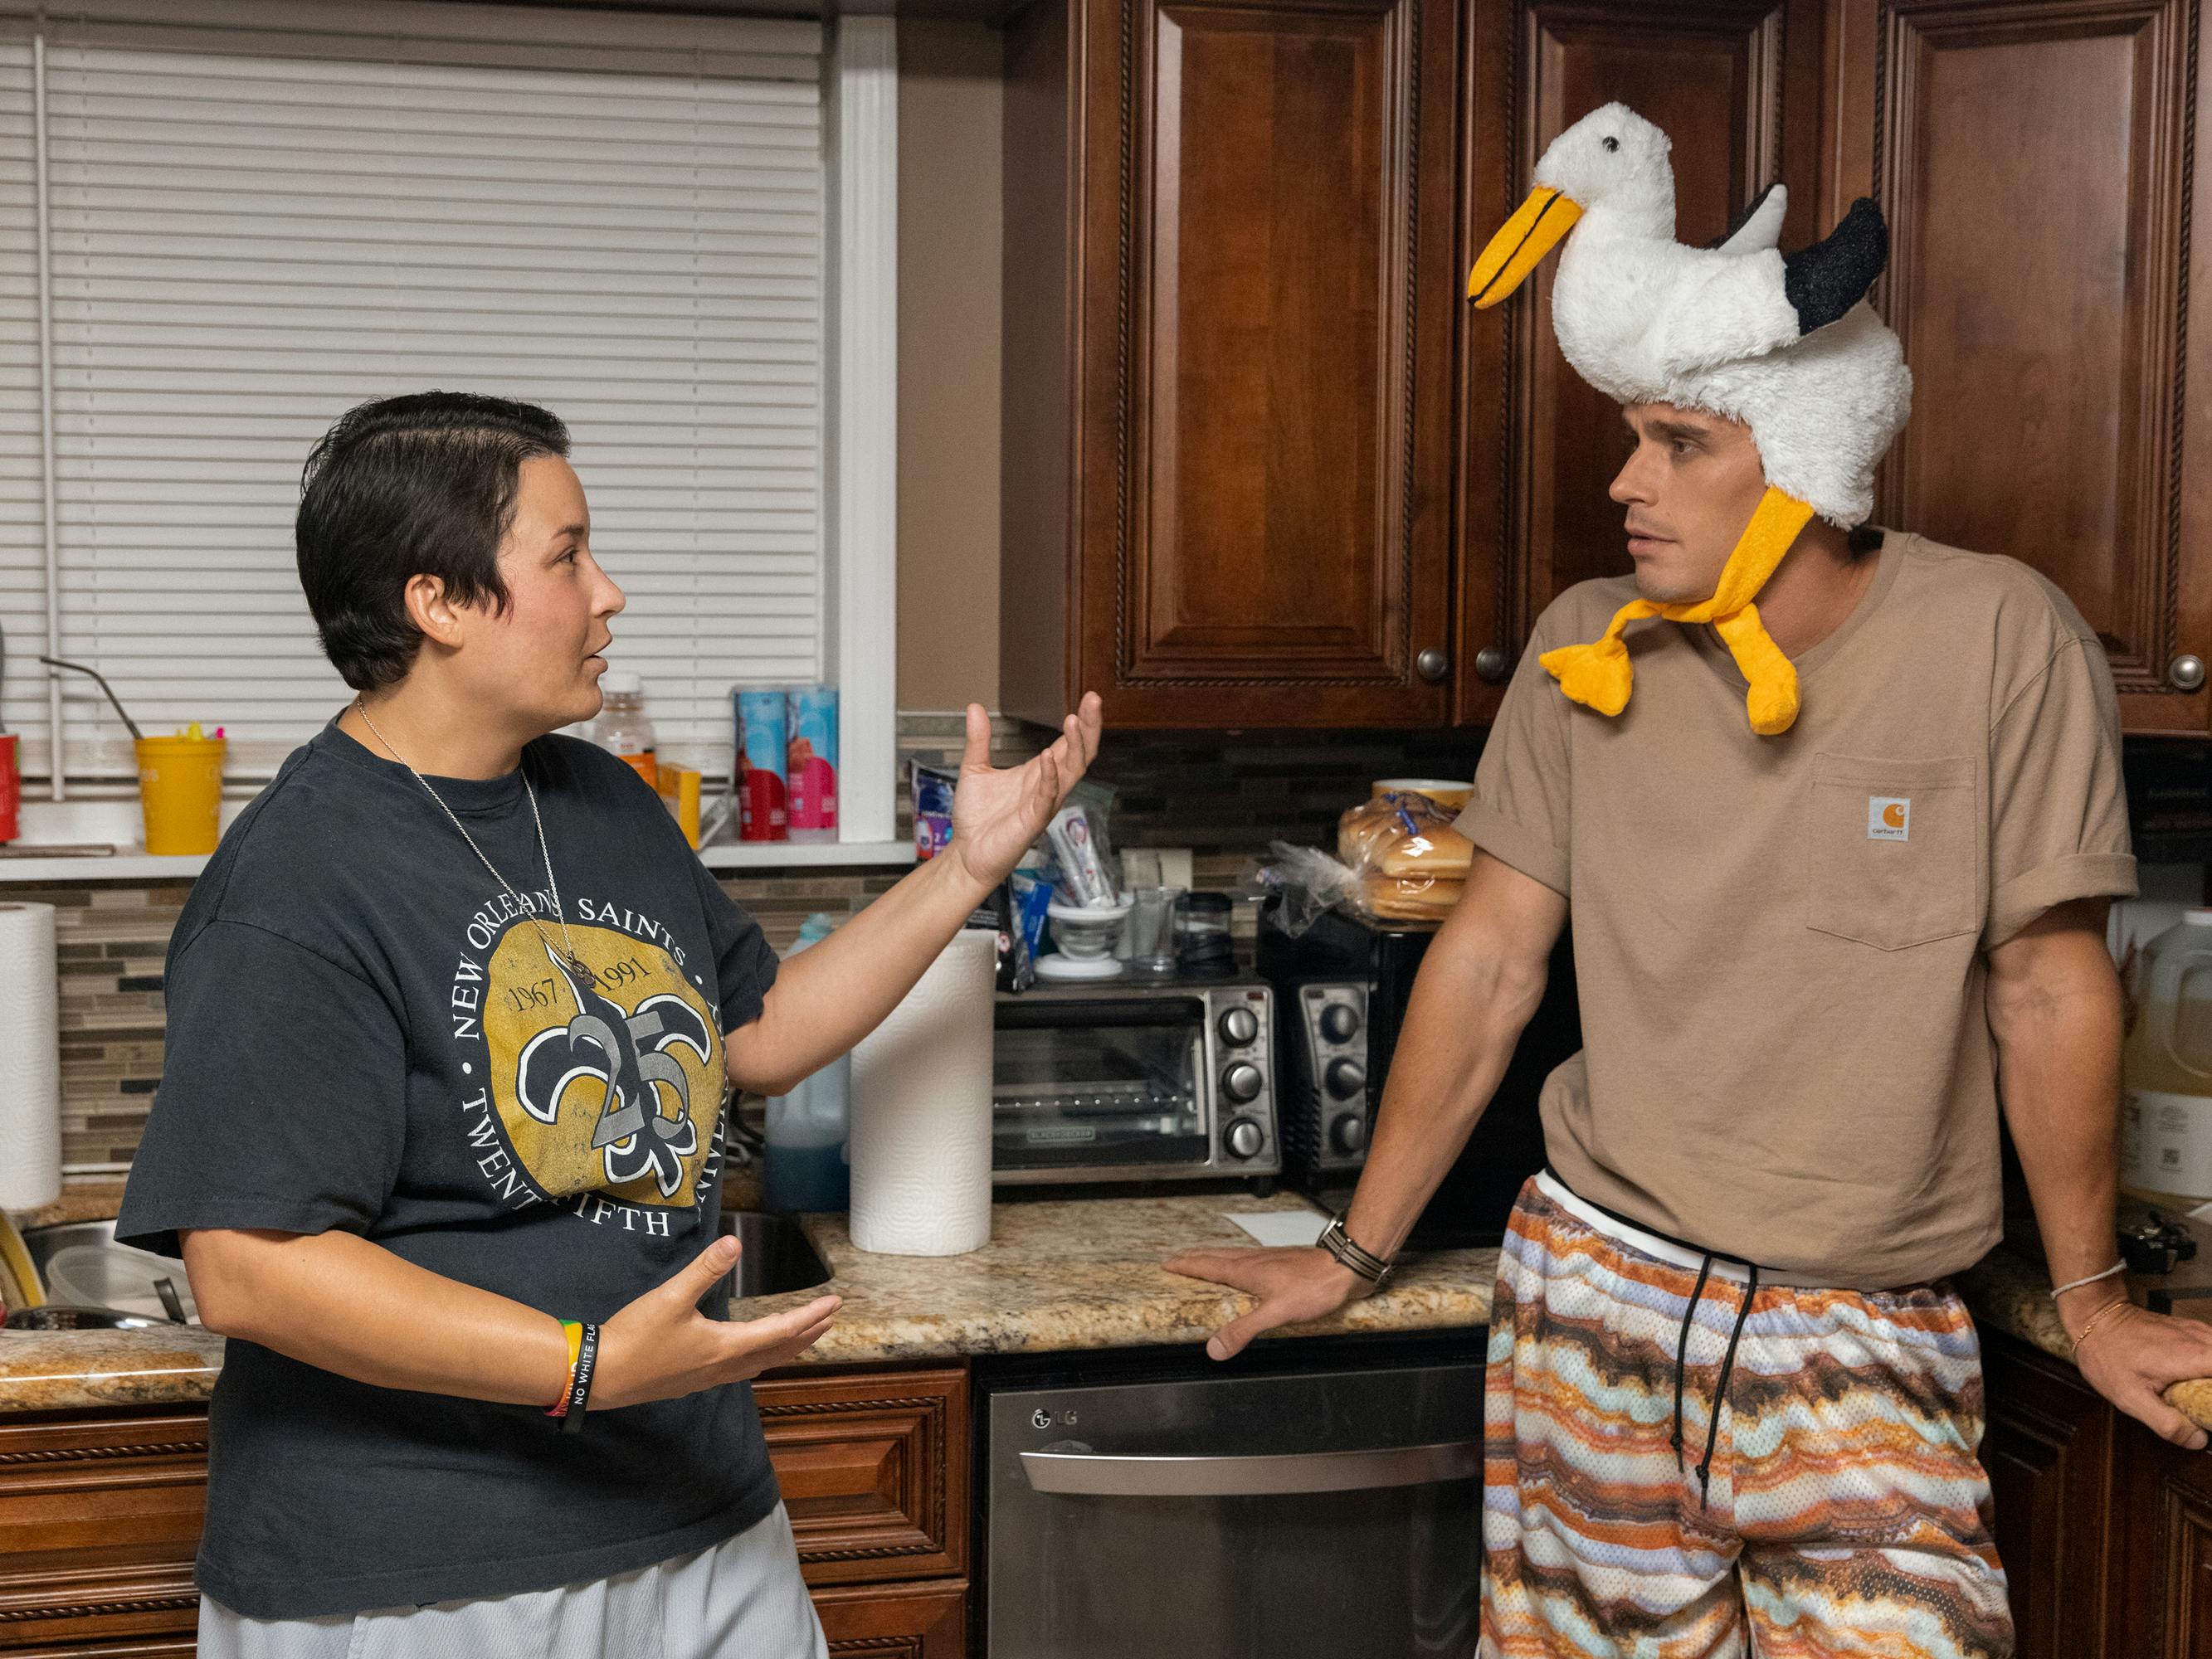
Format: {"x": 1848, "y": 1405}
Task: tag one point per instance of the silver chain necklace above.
{"x": 575, "y": 963}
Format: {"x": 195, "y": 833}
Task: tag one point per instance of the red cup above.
{"x": 11, "y": 789}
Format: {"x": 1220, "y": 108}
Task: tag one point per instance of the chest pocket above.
{"x": 1895, "y": 850}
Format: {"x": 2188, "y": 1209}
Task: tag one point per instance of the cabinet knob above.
{"x": 1493, "y": 662}
{"x": 2185, "y": 673}
{"x": 1432, "y": 665}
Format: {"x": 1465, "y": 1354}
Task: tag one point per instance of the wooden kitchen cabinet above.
{"x": 1259, "y": 457}
{"x": 1230, "y": 291}
{"x": 2037, "y": 161}
{"x": 100, "y": 1516}
{"x": 2049, "y": 1451}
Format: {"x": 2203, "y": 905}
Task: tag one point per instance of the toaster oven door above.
{"x": 1080, "y": 1084}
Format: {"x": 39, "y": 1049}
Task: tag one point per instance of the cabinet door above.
{"x": 1735, "y": 84}
{"x": 874, "y": 1471}
{"x": 2048, "y": 1454}
{"x": 899, "y": 1621}
{"x": 2035, "y": 163}
{"x": 1268, "y": 307}
{"x": 100, "y": 1519}
{"x": 2164, "y": 1585}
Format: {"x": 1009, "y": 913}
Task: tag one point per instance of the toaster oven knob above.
{"x": 1239, "y": 1026}
{"x": 1244, "y": 1138}
{"x": 1348, "y": 1134}
{"x": 1339, "y": 1022}
{"x": 1346, "y": 1078}
{"x": 1242, "y": 1081}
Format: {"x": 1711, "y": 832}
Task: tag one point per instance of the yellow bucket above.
{"x": 180, "y": 786}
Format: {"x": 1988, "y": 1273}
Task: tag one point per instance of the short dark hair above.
{"x": 1862, "y": 539}
{"x": 402, "y": 486}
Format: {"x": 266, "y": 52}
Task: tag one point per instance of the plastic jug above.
{"x": 2165, "y": 1068}
{"x": 804, "y": 1166}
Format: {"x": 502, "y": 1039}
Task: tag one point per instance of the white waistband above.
{"x": 1665, "y": 1249}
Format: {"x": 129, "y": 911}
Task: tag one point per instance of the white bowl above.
{"x": 1083, "y": 933}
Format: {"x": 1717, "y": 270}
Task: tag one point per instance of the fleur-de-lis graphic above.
{"x": 627, "y": 1050}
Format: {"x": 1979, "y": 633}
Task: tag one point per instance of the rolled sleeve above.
{"x": 2058, "y": 811}
{"x": 1521, "y": 810}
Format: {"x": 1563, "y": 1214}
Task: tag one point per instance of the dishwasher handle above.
{"x": 1093, "y": 1475}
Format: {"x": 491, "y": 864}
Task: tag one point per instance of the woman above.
{"x": 452, "y": 1014}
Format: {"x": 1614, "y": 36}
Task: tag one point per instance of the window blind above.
{"x": 245, "y": 243}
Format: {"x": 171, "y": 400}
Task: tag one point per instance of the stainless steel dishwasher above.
{"x": 1329, "y": 1512}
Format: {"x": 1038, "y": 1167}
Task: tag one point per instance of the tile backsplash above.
{"x": 1223, "y": 795}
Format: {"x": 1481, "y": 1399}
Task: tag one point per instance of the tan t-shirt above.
{"x": 1779, "y": 941}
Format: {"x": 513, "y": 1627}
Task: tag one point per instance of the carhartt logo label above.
{"x": 1889, "y": 819}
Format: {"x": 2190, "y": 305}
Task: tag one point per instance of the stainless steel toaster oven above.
{"x": 1134, "y": 1082}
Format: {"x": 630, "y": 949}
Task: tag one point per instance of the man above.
{"x": 1839, "y": 862}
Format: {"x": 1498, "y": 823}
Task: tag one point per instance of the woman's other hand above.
{"x": 660, "y": 1346}
{"x": 998, "y": 814}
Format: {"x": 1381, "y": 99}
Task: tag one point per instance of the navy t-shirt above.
{"x": 366, "y": 1032}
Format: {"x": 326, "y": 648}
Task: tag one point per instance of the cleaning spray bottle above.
{"x": 804, "y": 1166}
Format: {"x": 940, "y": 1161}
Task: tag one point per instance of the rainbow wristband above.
{"x": 575, "y": 1332}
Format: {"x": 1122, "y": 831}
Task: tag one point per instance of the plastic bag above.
{"x": 1398, "y": 859}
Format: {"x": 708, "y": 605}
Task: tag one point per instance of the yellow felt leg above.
{"x": 1771, "y": 534}
{"x": 1598, "y": 675}
{"x": 1773, "y": 700}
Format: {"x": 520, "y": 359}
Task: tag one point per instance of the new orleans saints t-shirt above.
{"x": 366, "y": 1031}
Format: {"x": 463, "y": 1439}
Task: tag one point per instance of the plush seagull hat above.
{"x": 1786, "y": 344}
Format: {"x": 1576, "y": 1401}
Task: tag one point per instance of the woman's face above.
{"x": 540, "y": 659}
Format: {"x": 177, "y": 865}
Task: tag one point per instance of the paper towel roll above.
{"x": 30, "y": 1060}
{"x": 921, "y": 1112}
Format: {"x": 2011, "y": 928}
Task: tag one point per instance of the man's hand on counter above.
{"x": 2132, "y": 1356}
{"x": 1292, "y": 1283}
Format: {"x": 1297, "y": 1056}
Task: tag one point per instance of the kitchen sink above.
{"x": 777, "y": 1257}
{"x": 43, "y": 1241}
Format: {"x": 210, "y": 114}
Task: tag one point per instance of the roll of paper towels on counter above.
{"x": 30, "y": 1060}
{"x": 921, "y": 1111}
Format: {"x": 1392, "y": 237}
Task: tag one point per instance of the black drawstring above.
{"x": 1720, "y": 1389}
{"x": 1682, "y": 1354}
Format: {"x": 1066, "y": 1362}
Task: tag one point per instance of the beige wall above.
{"x": 948, "y": 368}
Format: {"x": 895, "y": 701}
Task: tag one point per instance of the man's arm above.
{"x": 1478, "y": 986}
{"x": 2054, "y": 1005}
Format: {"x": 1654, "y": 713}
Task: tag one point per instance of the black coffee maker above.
{"x": 1341, "y": 988}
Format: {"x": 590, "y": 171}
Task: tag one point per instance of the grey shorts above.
{"x": 743, "y": 1599}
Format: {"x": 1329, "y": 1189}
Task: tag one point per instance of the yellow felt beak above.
{"x": 1533, "y": 231}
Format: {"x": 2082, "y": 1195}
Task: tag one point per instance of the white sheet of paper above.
{"x": 1281, "y": 1226}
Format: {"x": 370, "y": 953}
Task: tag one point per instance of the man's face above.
{"x": 540, "y": 657}
{"x": 1690, "y": 484}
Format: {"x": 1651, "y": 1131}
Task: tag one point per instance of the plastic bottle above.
{"x": 623, "y": 727}
{"x": 804, "y": 1166}
{"x": 2166, "y": 1066}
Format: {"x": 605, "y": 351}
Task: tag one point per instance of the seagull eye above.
{"x": 1613, "y": 144}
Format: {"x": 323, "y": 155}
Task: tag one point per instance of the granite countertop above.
{"x": 1058, "y": 1276}
{"x": 1068, "y": 1274}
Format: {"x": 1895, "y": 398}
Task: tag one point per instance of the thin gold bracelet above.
{"x": 2099, "y": 1318}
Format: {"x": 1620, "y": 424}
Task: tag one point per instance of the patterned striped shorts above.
{"x": 1842, "y": 1512}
